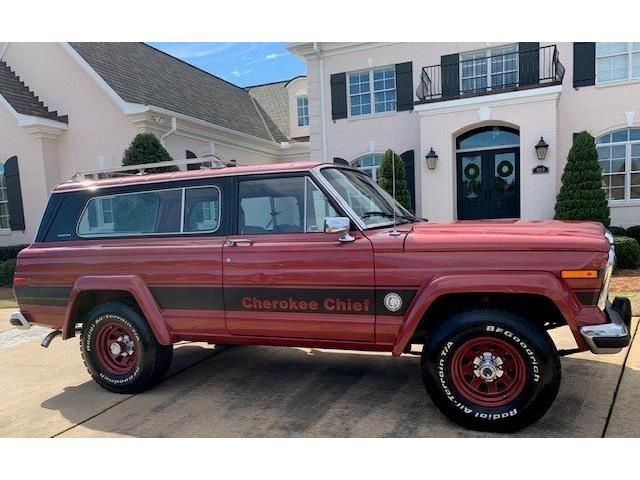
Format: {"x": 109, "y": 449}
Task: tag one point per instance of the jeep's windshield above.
{"x": 372, "y": 204}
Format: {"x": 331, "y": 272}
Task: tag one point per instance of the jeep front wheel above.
{"x": 491, "y": 370}
{"x": 120, "y": 351}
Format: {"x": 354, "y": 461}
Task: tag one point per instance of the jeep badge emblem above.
{"x": 393, "y": 302}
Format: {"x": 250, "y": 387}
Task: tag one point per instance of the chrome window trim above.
{"x": 154, "y": 234}
{"x": 352, "y": 215}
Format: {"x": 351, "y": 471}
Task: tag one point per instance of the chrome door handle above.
{"x": 238, "y": 242}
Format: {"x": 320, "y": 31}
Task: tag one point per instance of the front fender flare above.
{"x": 132, "y": 284}
{"x": 536, "y": 283}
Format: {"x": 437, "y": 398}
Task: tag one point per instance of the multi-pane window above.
{"x": 491, "y": 68}
{"x": 372, "y": 91}
{"x": 302, "y": 104}
{"x": 4, "y": 203}
{"x": 617, "y": 61}
{"x": 170, "y": 211}
{"x": 619, "y": 157}
{"x": 369, "y": 164}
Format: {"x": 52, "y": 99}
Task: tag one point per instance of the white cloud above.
{"x": 273, "y": 56}
{"x": 198, "y": 50}
{"x": 240, "y": 73}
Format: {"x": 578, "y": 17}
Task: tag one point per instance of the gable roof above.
{"x": 22, "y": 99}
{"x": 139, "y": 73}
{"x": 273, "y": 102}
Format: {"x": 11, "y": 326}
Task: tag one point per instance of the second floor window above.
{"x": 491, "y": 68}
{"x": 617, "y": 61}
{"x": 372, "y": 91}
{"x": 302, "y": 104}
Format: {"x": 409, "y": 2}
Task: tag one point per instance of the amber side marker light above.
{"x": 579, "y": 274}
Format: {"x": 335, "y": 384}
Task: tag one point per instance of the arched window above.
{"x": 369, "y": 164}
{"x": 488, "y": 137}
{"x": 619, "y": 158}
{"x": 4, "y": 202}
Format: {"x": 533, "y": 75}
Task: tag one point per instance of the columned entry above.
{"x": 488, "y": 174}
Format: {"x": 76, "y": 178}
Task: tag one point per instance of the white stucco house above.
{"x": 66, "y": 107}
{"x": 481, "y": 108}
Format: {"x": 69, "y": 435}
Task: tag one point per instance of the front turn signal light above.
{"x": 579, "y": 274}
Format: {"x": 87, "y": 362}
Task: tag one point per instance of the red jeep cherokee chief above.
{"x": 307, "y": 254}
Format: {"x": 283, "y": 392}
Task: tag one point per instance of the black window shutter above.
{"x": 408, "y": 158}
{"x": 450, "y": 66}
{"x": 340, "y": 161}
{"x": 529, "y": 63}
{"x": 584, "y": 64}
{"x": 14, "y": 194}
{"x": 338, "y": 96}
{"x": 404, "y": 86}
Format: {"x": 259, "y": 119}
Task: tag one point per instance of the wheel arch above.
{"x": 535, "y": 289}
{"x": 88, "y": 292}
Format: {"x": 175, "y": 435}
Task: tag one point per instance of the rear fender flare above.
{"x": 537, "y": 283}
{"x": 132, "y": 284}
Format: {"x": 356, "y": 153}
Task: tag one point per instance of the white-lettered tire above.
{"x": 490, "y": 369}
{"x": 120, "y": 351}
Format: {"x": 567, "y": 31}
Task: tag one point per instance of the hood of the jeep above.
{"x": 510, "y": 234}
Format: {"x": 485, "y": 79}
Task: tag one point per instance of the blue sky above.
{"x": 240, "y": 63}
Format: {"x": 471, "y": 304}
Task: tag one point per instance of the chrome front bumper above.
{"x": 17, "y": 320}
{"x": 614, "y": 336}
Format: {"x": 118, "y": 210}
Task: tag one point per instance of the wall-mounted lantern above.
{"x": 432, "y": 159}
{"x": 541, "y": 149}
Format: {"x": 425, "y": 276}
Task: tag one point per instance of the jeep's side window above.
{"x": 171, "y": 211}
{"x": 281, "y": 205}
{"x": 201, "y": 209}
{"x": 132, "y": 214}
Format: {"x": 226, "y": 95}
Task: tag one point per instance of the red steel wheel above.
{"x": 488, "y": 371}
{"x": 116, "y": 348}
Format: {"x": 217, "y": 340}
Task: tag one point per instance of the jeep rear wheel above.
{"x": 491, "y": 370}
{"x": 120, "y": 351}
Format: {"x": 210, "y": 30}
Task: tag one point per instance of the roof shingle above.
{"x": 273, "y": 102}
{"x": 22, "y": 99}
{"x": 141, "y": 74}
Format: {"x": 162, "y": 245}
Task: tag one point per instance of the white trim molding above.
{"x": 38, "y": 126}
{"x": 498, "y": 99}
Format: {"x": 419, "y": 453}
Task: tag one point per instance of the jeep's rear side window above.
{"x": 160, "y": 212}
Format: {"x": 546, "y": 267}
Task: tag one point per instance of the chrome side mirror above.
{"x": 340, "y": 225}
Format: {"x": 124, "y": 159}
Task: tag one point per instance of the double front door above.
{"x": 488, "y": 184}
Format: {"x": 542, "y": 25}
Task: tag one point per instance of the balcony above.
{"x": 486, "y": 73}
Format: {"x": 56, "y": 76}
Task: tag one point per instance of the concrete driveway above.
{"x": 252, "y": 391}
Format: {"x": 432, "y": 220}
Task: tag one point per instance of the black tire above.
{"x": 445, "y": 369}
{"x": 151, "y": 361}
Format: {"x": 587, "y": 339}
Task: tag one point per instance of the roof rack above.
{"x": 210, "y": 162}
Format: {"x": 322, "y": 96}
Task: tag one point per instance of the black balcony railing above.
{"x": 516, "y": 70}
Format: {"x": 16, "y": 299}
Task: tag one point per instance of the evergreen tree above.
{"x": 146, "y": 148}
{"x": 581, "y": 195}
{"x": 385, "y": 178}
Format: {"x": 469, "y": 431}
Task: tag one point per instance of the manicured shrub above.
{"x": 627, "y": 252}
{"x": 618, "y": 231}
{"x": 385, "y": 178}
{"x": 581, "y": 196}
{"x": 7, "y": 253}
{"x": 146, "y": 148}
{"x": 7, "y": 268}
{"x": 634, "y": 232}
